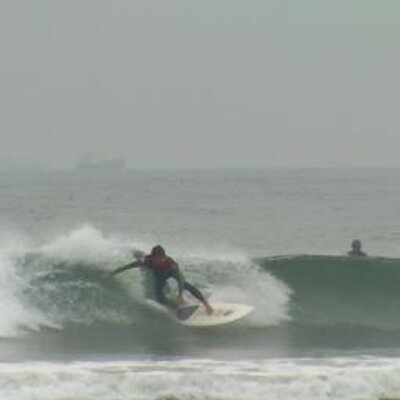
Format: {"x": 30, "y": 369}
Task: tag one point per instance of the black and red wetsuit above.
{"x": 164, "y": 268}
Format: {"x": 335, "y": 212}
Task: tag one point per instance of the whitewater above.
{"x": 325, "y": 325}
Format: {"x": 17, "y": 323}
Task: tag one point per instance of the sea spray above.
{"x": 17, "y": 314}
{"x": 234, "y": 277}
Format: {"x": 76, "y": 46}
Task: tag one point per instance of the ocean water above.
{"x": 325, "y": 326}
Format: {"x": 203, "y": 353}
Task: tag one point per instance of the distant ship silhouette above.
{"x": 85, "y": 164}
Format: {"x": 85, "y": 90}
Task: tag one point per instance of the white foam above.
{"x": 235, "y": 278}
{"x": 200, "y": 379}
{"x": 86, "y": 244}
{"x": 16, "y": 315}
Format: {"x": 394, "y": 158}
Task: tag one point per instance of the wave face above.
{"x": 61, "y": 290}
{"x": 341, "y": 291}
{"x": 57, "y": 298}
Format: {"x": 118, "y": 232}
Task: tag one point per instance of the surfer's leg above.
{"x": 159, "y": 283}
{"x": 196, "y": 293}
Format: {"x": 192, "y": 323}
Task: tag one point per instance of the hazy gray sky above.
{"x": 200, "y": 83}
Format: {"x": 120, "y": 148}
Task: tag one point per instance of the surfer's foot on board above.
{"x": 209, "y": 309}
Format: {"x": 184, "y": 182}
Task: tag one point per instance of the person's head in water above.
{"x": 356, "y": 245}
{"x": 356, "y": 248}
{"x": 157, "y": 251}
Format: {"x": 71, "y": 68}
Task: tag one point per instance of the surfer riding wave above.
{"x": 164, "y": 267}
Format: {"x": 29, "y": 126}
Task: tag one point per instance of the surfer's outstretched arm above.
{"x": 134, "y": 264}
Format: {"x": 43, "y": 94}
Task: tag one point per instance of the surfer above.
{"x": 356, "y": 249}
{"x": 163, "y": 268}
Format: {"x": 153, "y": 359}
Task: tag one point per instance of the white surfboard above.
{"x": 224, "y": 313}
{"x": 196, "y": 315}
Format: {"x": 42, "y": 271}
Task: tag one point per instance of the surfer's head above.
{"x": 356, "y": 249}
{"x": 157, "y": 251}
